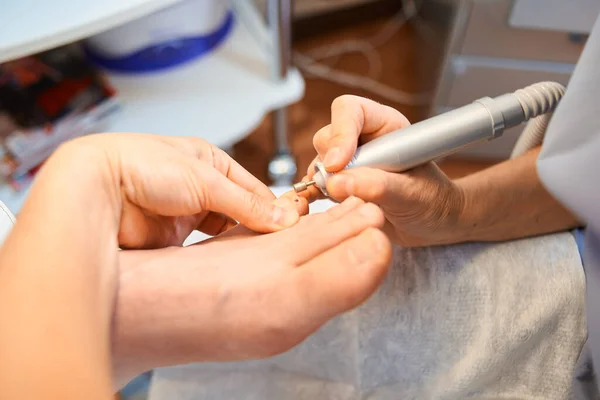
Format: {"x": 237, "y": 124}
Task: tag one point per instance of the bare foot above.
{"x": 242, "y": 295}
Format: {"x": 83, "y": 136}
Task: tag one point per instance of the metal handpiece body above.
{"x": 444, "y": 134}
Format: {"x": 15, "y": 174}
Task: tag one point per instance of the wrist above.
{"x": 469, "y": 213}
{"x": 456, "y": 216}
{"x": 484, "y": 215}
{"x": 447, "y": 213}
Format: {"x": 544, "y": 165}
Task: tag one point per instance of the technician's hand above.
{"x": 242, "y": 295}
{"x": 168, "y": 186}
{"x": 421, "y": 206}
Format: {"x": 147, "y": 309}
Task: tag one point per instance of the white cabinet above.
{"x": 558, "y": 15}
{"x": 220, "y": 97}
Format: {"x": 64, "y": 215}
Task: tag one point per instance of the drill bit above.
{"x": 302, "y": 186}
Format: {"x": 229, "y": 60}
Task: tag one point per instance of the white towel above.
{"x": 484, "y": 321}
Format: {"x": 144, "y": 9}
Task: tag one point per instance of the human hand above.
{"x": 242, "y": 295}
{"x": 165, "y": 187}
{"x": 421, "y": 206}
{"x": 104, "y": 191}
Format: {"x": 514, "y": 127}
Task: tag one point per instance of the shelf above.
{"x": 31, "y": 26}
{"x": 221, "y": 97}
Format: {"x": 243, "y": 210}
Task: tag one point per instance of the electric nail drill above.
{"x": 483, "y": 120}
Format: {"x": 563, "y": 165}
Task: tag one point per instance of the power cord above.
{"x": 313, "y": 62}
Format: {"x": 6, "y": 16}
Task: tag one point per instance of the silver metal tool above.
{"x": 483, "y": 120}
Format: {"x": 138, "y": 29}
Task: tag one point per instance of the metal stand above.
{"x": 282, "y": 168}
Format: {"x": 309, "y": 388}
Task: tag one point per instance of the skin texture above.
{"x": 241, "y": 295}
{"x": 66, "y": 307}
{"x": 261, "y": 299}
{"x": 423, "y": 206}
{"x": 508, "y": 201}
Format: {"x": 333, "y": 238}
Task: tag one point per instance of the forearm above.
{"x": 56, "y": 289}
{"x": 508, "y": 201}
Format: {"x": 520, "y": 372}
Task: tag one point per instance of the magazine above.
{"x": 45, "y": 100}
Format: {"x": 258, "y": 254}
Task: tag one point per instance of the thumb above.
{"x": 249, "y": 209}
{"x": 368, "y": 184}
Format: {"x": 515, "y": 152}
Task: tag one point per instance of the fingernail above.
{"x": 332, "y": 157}
{"x": 343, "y": 183}
{"x": 370, "y": 210}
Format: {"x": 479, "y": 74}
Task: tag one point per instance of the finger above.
{"x": 310, "y": 171}
{"x": 384, "y": 188}
{"x": 238, "y": 174}
{"x": 215, "y": 223}
{"x": 311, "y": 193}
{"x": 345, "y": 208}
{"x": 329, "y": 229}
{"x": 344, "y": 276}
{"x": 300, "y": 237}
{"x": 321, "y": 142}
{"x": 203, "y": 150}
{"x": 352, "y": 116}
{"x": 198, "y": 186}
{"x": 293, "y": 200}
{"x": 312, "y": 222}
{"x": 137, "y": 230}
{"x": 217, "y": 193}
{"x": 369, "y": 184}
